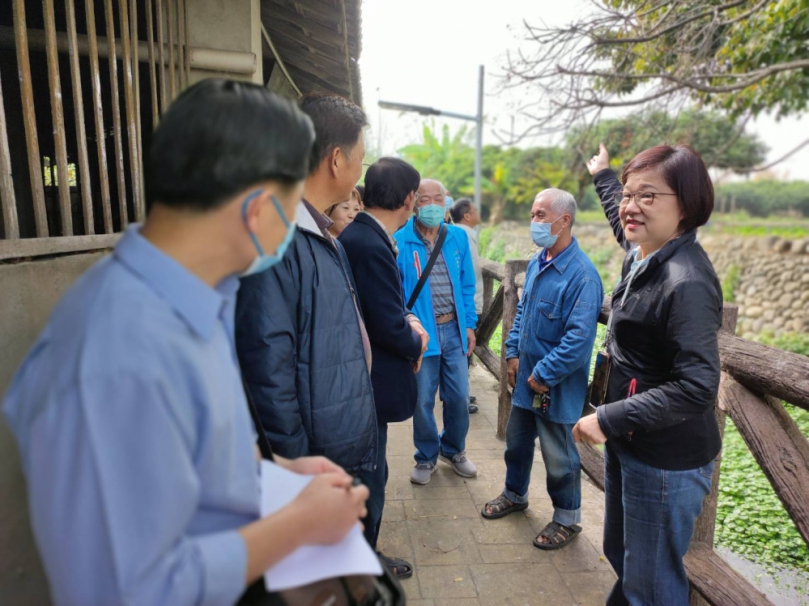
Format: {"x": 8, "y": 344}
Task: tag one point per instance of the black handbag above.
{"x": 357, "y": 590}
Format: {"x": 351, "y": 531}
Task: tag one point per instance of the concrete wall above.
{"x": 234, "y": 25}
{"x": 29, "y": 291}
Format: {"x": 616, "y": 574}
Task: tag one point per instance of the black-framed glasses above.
{"x": 642, "y": 198}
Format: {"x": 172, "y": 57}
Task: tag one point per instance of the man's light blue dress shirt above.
{"x": 136, "y": 438}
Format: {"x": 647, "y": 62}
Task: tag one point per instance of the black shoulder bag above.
{"x": 358, "y": 590}
{"x": 442, "y": 235}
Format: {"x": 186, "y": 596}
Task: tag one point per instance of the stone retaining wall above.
{"x": 771, "y": 276}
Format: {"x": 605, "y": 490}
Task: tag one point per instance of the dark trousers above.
{"x": 648, "y": 524}
{"x": 375, "y": 481}
{"x": 561, "y": 458}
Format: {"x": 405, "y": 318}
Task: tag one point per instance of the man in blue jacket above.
{"x": 548, "y": 354}
{"x": 397, "y": 337}
{"x": 446, "y": 308}
{"x": 300, "y": 337}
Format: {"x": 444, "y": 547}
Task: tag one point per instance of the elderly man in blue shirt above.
{"x": 446, "y": 308}
{"x": 548, "y": 355}
{"x": 129, "y": 411}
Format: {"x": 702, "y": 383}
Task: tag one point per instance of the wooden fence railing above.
{"x": 755, "y": 378}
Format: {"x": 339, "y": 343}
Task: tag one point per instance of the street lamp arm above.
{"x": 423, "y": 110}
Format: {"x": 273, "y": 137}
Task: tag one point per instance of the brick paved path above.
{"x": 463, "y": 560}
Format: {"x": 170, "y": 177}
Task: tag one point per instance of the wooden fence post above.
{"x": 705, "y": 525}
{"x": 510, "y": 300}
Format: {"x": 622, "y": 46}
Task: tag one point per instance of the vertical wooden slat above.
{"x": 30, "y": 120}
{"x": 170, "y": 6}
{"x": 181, "y": 45}
{"x": 116, "y": 113}
{"x": 98, "y": 117}
{"x": 510, "y": 301}
{"x": 7, "y": 198}
{"x": 187, "y": 45}
{"x": 57, "y": 113}
{"x": 135, "y": 40}
{"x": 129, "y": 103}
{"x": 78, "y": 113}
{"x": 161, "y": 54}
{"x": 152, "y": 72}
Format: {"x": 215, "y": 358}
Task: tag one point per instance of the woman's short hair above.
{"x": 354, "y": 194}
{"x": 388, "y": 182}
{"x": 685, "y": 173}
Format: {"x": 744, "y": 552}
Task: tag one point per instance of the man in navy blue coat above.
{"x": 397, "y": 337}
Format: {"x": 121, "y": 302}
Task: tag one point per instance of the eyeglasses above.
{"x": 642, "y": 198}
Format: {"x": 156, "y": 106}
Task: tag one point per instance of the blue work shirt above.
{"x": 135, "y": 437}
{"x": 554, "y": 331}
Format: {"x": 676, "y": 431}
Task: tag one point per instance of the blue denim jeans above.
{"x": 648, "y": 524}
{"x": 450, "y": 372}
{"x": 375, "y": 481}
{"x": 561, "y": 458}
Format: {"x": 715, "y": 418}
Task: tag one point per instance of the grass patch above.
{"x": 750, "y": 520}
{"x": 731, "y": 283}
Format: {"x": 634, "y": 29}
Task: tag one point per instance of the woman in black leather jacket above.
{"x": 658, "y": 422}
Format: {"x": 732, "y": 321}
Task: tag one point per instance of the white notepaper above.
{"x": 306, "y": 565}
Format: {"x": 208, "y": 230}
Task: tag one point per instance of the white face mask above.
{"x": 541, "y": 234}
{"x": 263, "y": 261}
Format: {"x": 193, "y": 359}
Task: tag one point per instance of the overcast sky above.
{"x": 427, "y": 52}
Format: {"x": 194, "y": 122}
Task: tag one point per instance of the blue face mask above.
{"x": 541, "y": 234}
{"x": 448, "y": 202}
{"x": 431, "y": 215}
{"x": 263, "y": 262}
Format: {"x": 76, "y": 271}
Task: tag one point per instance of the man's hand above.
{"x": 512, "y": 366}
{"x": 331, "y": 507}
{"x": 418, "y": 328}
{"x": 589, "y": 431}
{"x": 600, "y": 161}
{"x": 417, "y": 364}
{"x": 536, "y": 385}
{"x": 470, "y": 337}
{"x": 310, "y": 466}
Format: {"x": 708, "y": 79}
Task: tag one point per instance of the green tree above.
{"x": 741, "y": 57}
{"x": 720, "y": 140}
{"x": 448, "y": 158}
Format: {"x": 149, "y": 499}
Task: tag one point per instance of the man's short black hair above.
{"x": 218, "y": 138}
{"x": 388, "y": 182}
{"x": 338, "y": 123}
{"x": 459, "y": 209}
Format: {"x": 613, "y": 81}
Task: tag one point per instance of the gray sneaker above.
{"x": 421, "y": 473}
{"x": 460, "y": 465}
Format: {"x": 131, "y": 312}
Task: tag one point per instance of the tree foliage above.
{"x": 744, "y": 57}
{"x": 513, "y": 176}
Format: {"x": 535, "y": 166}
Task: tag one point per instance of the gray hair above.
{"x": 437, "y": 182}
{"x": 562, "y": 202}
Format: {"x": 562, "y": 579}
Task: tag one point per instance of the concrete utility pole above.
{"x": 477, "y": 119}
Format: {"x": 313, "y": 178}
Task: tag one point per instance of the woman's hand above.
{"x": 588, "y": 430}
{"x": 600, "y": 161}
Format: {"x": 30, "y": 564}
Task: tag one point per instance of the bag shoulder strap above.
{"x": 442, "y": 235}
{"x": 263, "y": 443}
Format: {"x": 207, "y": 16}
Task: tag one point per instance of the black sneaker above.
{"x": 473, "y": 408}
